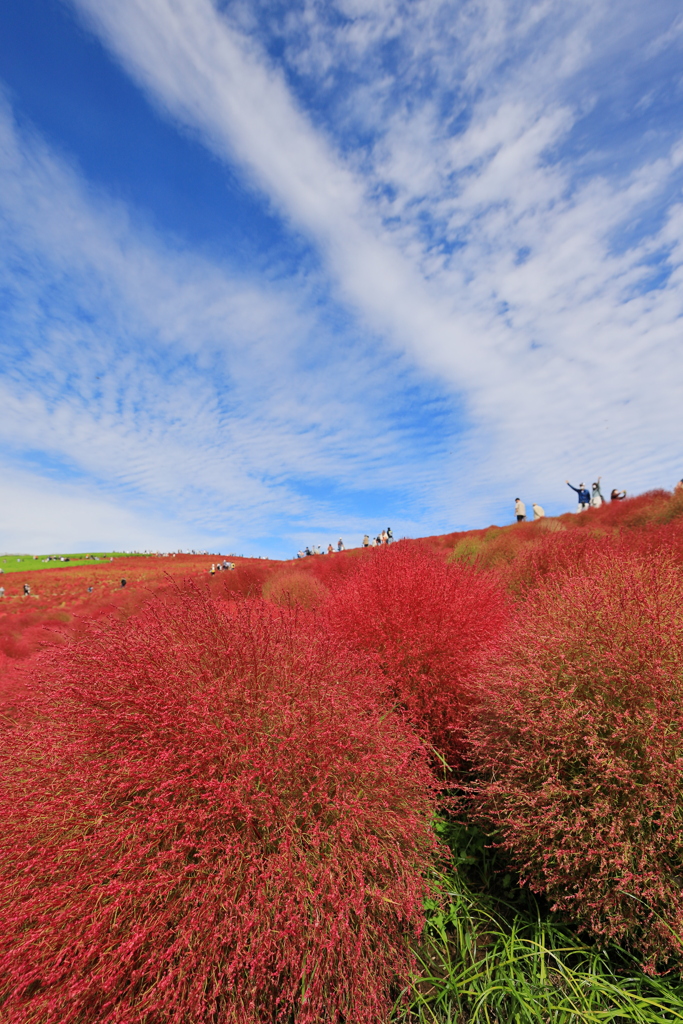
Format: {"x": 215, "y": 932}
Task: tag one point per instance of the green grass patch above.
{"x": 479, "y": 965}
{"x": 22, "y": 563}
{"x": 493, "y": 954}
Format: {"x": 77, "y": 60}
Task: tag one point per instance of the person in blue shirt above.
{"x": 583, "y": 495}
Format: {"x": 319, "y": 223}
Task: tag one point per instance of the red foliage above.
{"x": 648, "y": 509}
{"x": 522, "y": 554}
{"x": 578, "y": 747}
{"x": 569, "y": 553}
{"x": 61, "y": 604}
{"x": 429, "y": 626}
{"x": 206, "y": 818}
{"x": 292, "y": 587}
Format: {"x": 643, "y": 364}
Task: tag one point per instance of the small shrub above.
{"x": 292, "y": 588}
{"x": 570, "y": 553}
{"x": 245, "y": 580}
{"x": 206, "y": 819}
{"x": 578, "y": 747}
{"x": 546, "y": 525}
{"x": 429, "y": 626}
{"x": 467, "y": 550}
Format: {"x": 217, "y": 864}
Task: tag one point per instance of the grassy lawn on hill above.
{"x": 21, "y": 563}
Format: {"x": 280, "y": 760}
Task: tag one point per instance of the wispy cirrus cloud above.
{"x": 213, "y": 403}
{"x": 491, "y": 194}
{"x": 470, "y": 222}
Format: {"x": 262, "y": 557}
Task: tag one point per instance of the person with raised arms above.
{"x": 583, "y": 496}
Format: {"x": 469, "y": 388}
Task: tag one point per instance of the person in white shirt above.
{"x": 539, "y": 511}
{"x": 520, "y": 510}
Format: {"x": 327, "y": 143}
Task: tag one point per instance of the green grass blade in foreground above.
{"x": 478, "y": 967}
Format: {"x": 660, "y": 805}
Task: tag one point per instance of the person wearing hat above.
{"x": 539, "y": 511}
{"x": 583, "y": 496}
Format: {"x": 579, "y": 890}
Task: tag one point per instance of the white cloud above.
{"x": 170, "y": 383}
{"x": 37, "y": 516}
{"x": 489, "y": 256}
{"x": 564, "y": 362}
{"x": 672, "y": 36}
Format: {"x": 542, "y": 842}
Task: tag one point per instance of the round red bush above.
{"x": 291, "y": 588}
{"x": 207, "y": 819}
{"x": 579, "y": 749}
{"x": 430, "y": 627}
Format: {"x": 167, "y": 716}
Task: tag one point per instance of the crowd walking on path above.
{"x": 385, "y": 537}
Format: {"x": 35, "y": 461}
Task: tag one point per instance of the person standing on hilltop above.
{"x": 678, "y": 489}
{"x": 539, "y": 511}
{"x": 520, "y": 510}
{"x": 366, "y": 541}
{"x": 583, "y": 496}
{"x": 597, "y": 498}
{"x": 340, "y": 545}
{"x": 617, "y": 495}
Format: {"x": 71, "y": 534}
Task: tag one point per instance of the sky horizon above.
{"x": 275, "y": 273}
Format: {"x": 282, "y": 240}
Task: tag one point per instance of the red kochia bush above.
{"x": 430, "y": 626}
{"x": 289, "y": 587}
{"x": 579, "y": 749}
{"x": 206, "y": 819}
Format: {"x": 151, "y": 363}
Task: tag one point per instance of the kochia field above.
{"x": 219, "y": 793}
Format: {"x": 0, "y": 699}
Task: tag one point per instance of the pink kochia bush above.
{"x": 206, "y": 818}
{"x": 579, "y": 749}
{"x": 430, "y": 627}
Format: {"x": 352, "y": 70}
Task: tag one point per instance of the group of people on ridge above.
{"x": 385, "y": 537}
{"x": 594, "y": 498}
{"x": 587, "y": 499}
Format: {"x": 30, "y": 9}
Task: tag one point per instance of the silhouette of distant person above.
{"x": 617, "y": 495}
{"x": 366, "y": 541}
{"x": 123, "y": 583}
{"x": 340, "y": 545}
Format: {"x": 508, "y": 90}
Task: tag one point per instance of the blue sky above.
{"x": 275, "y": 273}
